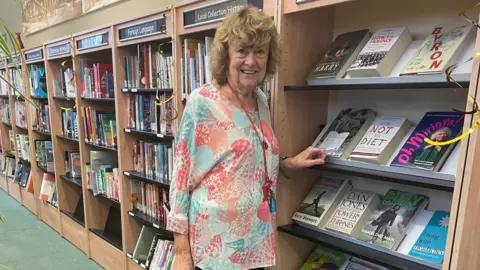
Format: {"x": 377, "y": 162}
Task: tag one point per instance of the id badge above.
{"x": 272, "y": 203}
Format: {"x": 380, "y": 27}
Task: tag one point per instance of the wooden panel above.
{"x": 105, "y": 254}
{"x": 109, "y": 44}
{"x": 291, "y": 5}
{"x": 3, "y": 183}
{"x": 14, "y": 190}
{"x": 74, "y": 232}
{"x": 131, "y": 265}
{"x": 29, "y": 201}
{"x": 51, "y": 216}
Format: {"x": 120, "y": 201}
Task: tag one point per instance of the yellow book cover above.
{"x": 441, "y": 48}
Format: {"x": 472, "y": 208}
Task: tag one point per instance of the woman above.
{"x": 222, "y": 194}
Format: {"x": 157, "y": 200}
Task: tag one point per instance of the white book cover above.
{"x": 319, "y": 200}
{"x": 69, "y": 83}
{"x": 378, "y": 136}
{"x": 376, "y": 48}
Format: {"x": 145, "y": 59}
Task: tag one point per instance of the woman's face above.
{"x": 441, "y": 136}
{"x": 248, "y": 65}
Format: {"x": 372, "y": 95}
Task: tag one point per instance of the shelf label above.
{"x": 131, "y": 214}
{"x": 159, "y": 135}
{"x": 143, "y": 266}
{"x": 127, "y": 173}
{"x": 156, "y": 226}
{"x": 59, "y": 49}
{"x": 92, "y": 41}
{"x": 215, "y": 12}
{"x": 157, "y": 26}
{"x": 134, "y": 89}
{"x": 34, "y": 55}
{"x": 129, "y": 256}
{"x": 125, "y": 90}
{"x": 128, "y": 130}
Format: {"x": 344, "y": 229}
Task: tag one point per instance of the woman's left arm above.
{"x": 309, "y": 157}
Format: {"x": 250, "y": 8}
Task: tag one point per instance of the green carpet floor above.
{"x": 27, "y": 243}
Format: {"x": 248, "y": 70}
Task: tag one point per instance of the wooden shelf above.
{"x": 75, "y": 181}
{"x": 359, "y": 248}
{"x": 79, "y": 220}
{"x": 22, "y": 128}
{"x": 48, "y": 134}
{"x": 109, "y": 238}
{"x": 67, "y": 138}
{"x": 98, "y": 99}
{"x": 168, "y": 138}
{"x": 140, "y": 263}
{"x": 104, "y": 196}
{"x": 7, "y": 124}
{"x": 101, "y": 146}
{"x": 144, "y": 178}
{"x": 150, "y": 221}
{"x": 146, "y": 91}
{"x": 39, "y": 98}
{"x": 63, "y": 98}
{"x": 44, "y": 169}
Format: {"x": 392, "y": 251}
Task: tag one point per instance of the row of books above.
{"x": 22, "y": 174}
{"x": 195, "y": 69}
{"x": 5, "y": 111}
{"x": 73, "y": 164}
{"x": 41, "y": 116}
{"x": 153, "y": 251}
{"x": 3, "y": 84}
{"x": 37, "y": 80}
{"x": 150, "y": 199}
{"x": 392, "y": 220}
{"x": 102, "y": 174}
{"x": 100, "y": 127}
{"x": 48, "y": 189}
{"x": 44, "y": 154}
{"x": 23, "y": 146}
{"x": 20, "y": 114}
{"x": 96, "y": 79}
{"x": 151, "y": 67}
{"x": 69, "y": 124}
{"x": 360, "y": 135}
{"x": 154, "y": 160}
{"x": 364, "y": 54}
{"x": 64, "y": 83}
{"x": 15, "y": 77}
{"x": 11, "y": 140}
{"x": 150, "y": 113}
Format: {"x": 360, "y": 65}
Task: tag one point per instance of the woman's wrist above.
{"x": 287, "y": 162}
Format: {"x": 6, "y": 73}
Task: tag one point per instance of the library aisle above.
{"x": 28, "y": 243}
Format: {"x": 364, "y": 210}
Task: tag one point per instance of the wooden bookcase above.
{"x": 107, "y": 230}
{"x": 4, "y": 127}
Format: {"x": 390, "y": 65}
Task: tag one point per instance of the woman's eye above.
{"x": 241, "y": 51}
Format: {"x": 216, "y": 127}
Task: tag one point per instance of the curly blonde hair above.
{"x": 246, "y": 27}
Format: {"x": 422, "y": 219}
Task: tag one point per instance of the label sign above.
{"x": 16, "y": 60}
{"x": 34, "y": 55}
{"x": 142, "y": 30}
{"x": 59, "y": 49}
{"x": 92, "y": 41}
{"x": 215, "y": 12}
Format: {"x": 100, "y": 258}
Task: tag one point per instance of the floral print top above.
{"x": 216, "y": 191}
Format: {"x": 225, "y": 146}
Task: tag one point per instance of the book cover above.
{"x": 381, "y": 52}
{"x": 391, "y": 219}
{"x": 431, "y": 244}
{"x": 441, "y": 48}
{"x": 341, "y": 132}
{"x": 323, "y": 257}
{"x": 340, "y": 54}
{"x": 438, "y": 126}
{"x": 315, "y": 207}
{"x": 381, "y": 139}
{"x": 348, "y": 217}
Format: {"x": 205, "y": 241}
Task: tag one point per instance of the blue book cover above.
{"x": 438, "y": 126}
{"x": 430, "y": 246}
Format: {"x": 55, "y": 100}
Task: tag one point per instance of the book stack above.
{"x": 102, "y": 174}
{"x": 41, "y": 117}
{"x": 151, "y": 67}
{"x": 96, "y": 79}
{"x": 153, "y": 160}
{"x": 100, "y": 127}
{"x": 69, "y": 124}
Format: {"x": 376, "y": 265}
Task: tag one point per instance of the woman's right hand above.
{"x": 183, "y": 261}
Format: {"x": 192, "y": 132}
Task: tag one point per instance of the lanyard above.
{"x": 267, "y": 185}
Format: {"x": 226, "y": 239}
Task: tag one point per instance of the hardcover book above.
{"x": 381, "y": 140}
{"x": 352, "y": 211}
{"x": 323, "y": 257}
{"x": 381, "y": 53}
{"x": 442, "y": 48}
{"x": 320, "y": 201}
{"x": 439, "y": 127}
{"x": 391, "y": 219}
{"x": 340, "y": 55}
{"x": 431, "y": 244}
{"x": 346, "y": 130}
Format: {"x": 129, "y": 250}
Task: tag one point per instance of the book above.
{"x": 381, "y": 53}
{"x": 392, "y": 218}
{"x": 442, "y": 48}
{"x": 381, "y": 140}
{"x": 344, "y": 132}
{"x": 431, "y": 244}
{"x": 323, "y": 257}
{"x": 438, "y": 126}
{"x": 352, "y": 211}
{"x": 321, "y": 201}
{"x": 340, "y": 55}
{"x": 355, "y": 263}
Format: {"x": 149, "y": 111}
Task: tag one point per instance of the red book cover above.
{"x": 146, "y": 66}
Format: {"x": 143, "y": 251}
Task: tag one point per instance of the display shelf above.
{"x": 48, "y": 134}
{"x": 7, "y": 124}
{"x": 44, "y": 169}
{"x": 149, "y": 134}
{"x": 140, "y": 263}
{"x": 147, "y": 91}
{"x": 150, "y": 221}
{"x": 370, "y": 252}
{"x": 110, "y": 238}
{"x": 415, "y": 177}
{"x": 39, "y": 98}
{"x": 144, "y": 178}
{"x": 24, "y": 129}
{"x": 75, "y": 181}
{"x": 67, "y": 138}
{"x": 101, "y": 146}
{"x": 98, "y": 99}
{"x": 80, "y": 220}
{"x": 63, "y": 98}
{"x": 104, "y": 196}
